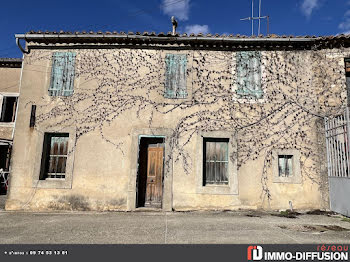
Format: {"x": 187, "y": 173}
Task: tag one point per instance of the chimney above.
{"x": 174, "y": 22}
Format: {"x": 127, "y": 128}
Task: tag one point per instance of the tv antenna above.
{"x": 252, "y": 18}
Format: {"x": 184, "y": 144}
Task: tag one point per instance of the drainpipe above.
{"x": 19, "y": 46}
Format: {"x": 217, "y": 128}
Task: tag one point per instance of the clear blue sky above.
{"x": 290, "y": 17}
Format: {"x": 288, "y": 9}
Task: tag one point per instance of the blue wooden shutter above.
{"x": 56, "y": 74}
{"x": 175, "y": 76}
{"x": 68, "y": 79}
{"x": 242, "y": 69}
{"x": 248, "y": 66}
{"x": 62, "y": 74}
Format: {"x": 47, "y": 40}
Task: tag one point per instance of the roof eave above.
{"x": 81, "y": 37}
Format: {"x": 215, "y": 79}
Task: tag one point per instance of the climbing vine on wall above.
{"x": 300, "y": 89}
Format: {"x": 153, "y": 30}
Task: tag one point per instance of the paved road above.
{"x": 157, "y": 227}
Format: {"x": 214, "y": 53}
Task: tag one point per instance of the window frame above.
{"x": 286, "y": 165}
{"x": 66, "y": 183}
{"x": 295, "y": 177}
{"x": 46, "y": 155}
{"x": 214, "y": 189}
{"x": 2, "y": 95}
{"x": 4, "y": 175}
{"x": 205, "y": 161}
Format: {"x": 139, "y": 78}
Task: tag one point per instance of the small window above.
{"x": 175, "y": 76}
{"x": 8, "y": 109}
{"x": 62, "y": 74}
{"x": 215, "y": 161}
{"x": 347, "y": 74}
{"x": 248, "y": 67}
{"x": 54, "y": 157}
{"x": 285, "y": 165}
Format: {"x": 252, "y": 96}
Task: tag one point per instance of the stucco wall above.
{"x": 119, "y": 92}
{"x": 9, "y": 85}
{"x": 10, "y": 78}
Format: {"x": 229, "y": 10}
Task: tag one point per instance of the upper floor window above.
{"x": 248, "y": 70}
{"x": 215, "y": 164}
{"x": 175, "y": 76}
{"x": 62, "y": 74}
{"x": 8, "y": 108}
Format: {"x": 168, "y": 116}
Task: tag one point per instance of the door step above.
{"x": 148, "y": 209}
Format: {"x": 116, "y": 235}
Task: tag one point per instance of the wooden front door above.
{"x": 154, "y": 177}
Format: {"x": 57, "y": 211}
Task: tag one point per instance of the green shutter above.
{"x": 62, "y": 74}
{"x": 248, "y": 66}
{"x": 175, "y": 76}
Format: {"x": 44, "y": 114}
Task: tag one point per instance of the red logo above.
{"x": 255, "y": 253}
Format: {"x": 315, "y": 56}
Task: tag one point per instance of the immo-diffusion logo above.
{"x": 255, "y": 253}
{"x": 332, "y": 253}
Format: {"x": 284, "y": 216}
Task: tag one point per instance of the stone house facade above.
{"x": 115, "y": 121}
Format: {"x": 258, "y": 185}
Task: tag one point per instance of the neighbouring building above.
{"x": 120, "y": 121}
{"x": 10, "y": 72}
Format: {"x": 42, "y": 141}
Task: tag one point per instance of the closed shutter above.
{"x": 248, "y": 67}
{"x": 68, "y": 80}
{"x": 62, "y": 74}
{"x": 175, "y": 76}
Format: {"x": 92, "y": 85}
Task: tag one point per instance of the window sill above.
{"x": 214, "y": 185}
{"x": 59, "y": 96}
{"x": 248, "y": 100}
{"x": 7, "y": 124}
{"x": 54, "y": 179}
{"x": 176, "y": 98}
{"x": 285, "y": 180}
{"x": 216, "y": 190}
{"x": 57, "y": 183}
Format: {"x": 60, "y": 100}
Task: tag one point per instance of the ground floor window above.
{"x": 5, "y": 155}
{"x": 54, "y": 157}
{"x": 215, "y": 161}
{"x": 285, "y": 165}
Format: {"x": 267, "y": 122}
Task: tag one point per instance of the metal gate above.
{"x": 338, "y": 157}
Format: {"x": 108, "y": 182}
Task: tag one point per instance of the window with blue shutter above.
{"x": 62, "y": 74}
{"x": 175, "y": 76}
{"x": 248, "y": 66}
